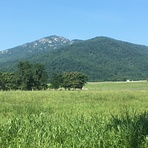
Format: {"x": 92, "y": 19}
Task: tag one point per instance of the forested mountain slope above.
{"x": 101, "y": 58}
{"x": 10, "y": 57}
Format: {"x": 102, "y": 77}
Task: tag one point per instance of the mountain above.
{"x": 34, "y": 48}
{"x": 102, "y": 58}
{"x": 10, "y": 57}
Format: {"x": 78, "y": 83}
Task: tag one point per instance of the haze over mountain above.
{"x": 102, "y": 58}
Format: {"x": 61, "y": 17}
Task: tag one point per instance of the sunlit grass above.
{"x": 86, "y": 118}
{"x": 106, "y": 101}
{"x": 141, "y": 85}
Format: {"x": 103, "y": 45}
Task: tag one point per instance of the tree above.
{"x": 56, "y": 80}
{"x": 74, "y": 80}
{"x": 40, "y": 76}
{"x": 31, "y": 76}
{"x": 2, "y": 82}
{"x": 7, "y": 81}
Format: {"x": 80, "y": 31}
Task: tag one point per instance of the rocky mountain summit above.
{"x": 38, "y": 46}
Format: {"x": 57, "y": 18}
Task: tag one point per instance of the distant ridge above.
{"x": 102, "y": 58}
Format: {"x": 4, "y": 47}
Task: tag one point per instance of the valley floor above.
{"x": 107, "y": 114}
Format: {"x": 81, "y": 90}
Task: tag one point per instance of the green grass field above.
{"x": 107, "y": 115}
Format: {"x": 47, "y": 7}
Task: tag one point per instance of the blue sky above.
{"x": 23, "y": 21}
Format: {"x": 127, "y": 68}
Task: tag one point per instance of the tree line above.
{"x": 34, "y": 77}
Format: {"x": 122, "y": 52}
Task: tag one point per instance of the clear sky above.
{"x": 23, "y": 21}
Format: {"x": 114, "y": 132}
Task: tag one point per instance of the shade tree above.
{"x": 69, "y": 80}
{"x": 27, "y": 77}
{"x": 31, "y": 76}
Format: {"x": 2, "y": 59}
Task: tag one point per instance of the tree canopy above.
{"x": 34, "y": 77}
{"x": 7, "y": 81}
{"x": 69, "y": 80}
{"x": 27, "y": 77}
{"x": 31, "y": 76}
{"x": 56, "y": 80}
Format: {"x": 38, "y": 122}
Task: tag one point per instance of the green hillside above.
{"x": 101, "y": 58}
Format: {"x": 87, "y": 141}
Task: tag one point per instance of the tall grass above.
{"x": 97, "y": 118}
{"x": 61, "y": 130}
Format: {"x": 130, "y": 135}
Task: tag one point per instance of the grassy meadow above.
{"x": 103, "y": 115}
